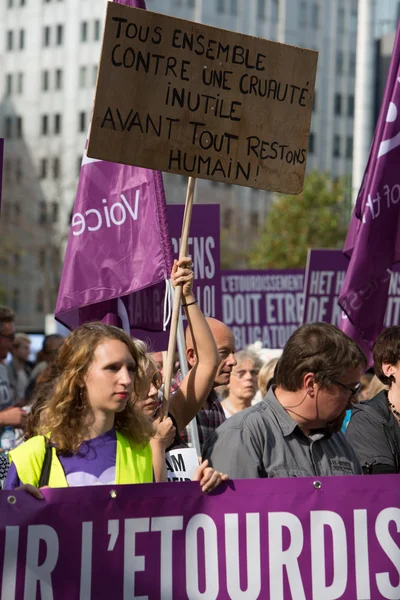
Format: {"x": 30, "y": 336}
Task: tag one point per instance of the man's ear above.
{"x": 387, "y": 369}
{"x": 191, "y": 356}
{"x": 309, "y": 383}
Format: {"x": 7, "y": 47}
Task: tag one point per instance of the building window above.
{"x": 338, "y": 104}
{"x": 303, "y": 15}
{"x": 234, "y": 7}
{"x": 353, "y": 20}
{"x": 46, "y": 36}
{"x": 315, "y": 16}
{"x": 43, "y": 168}
{"x": 45, "y": 80}
{"x": 16, "y": 300}
{"x": 82, "y": 122}
{"x": 42, "y": 258}
{"x": 339, "y": 62}
{"x": 22, "y": 3}
{"x": 55, "y": 212}
{"x": 352, "y": 65}
{"x": 59, "y": 35}
{"x": 96, "y": 30}
{"x": 78, "y": 165}
{"x": 349, "y": 147}
{"x": 10, "y": 4}
{"x": 10, "y": 40}
{"x": 19, "y": 127}
{"x": 20, "y": 83}
{"x": 94, "y": 75}
{"x": 350, "y": 106}
{"x": 44, "y": 126}
{"x": 191, "y": 3}
{"x": 42, "y": 212}
{"x": 275, "y": 11}
{"x": 84, "y": 31}
{"x": 340, "y": 20}
{"x": 311, "y": 143}
{"x": 57, "y": 124}
{"x": 21, "y": 39}
{"x": 8, "y": 84}
{"x": 261, "y": 10}
{"x": 17, "y": 261}
{"x": 17, "y": 212}
{"x": 336, "y": 145}
{"x": 18, "y": 170}
{"x": 56, "y": 168}
{"x": 59, "y": 79}
{"x": 254, "y": 219}
{"x": 39, "y": 301}
{"x": 228, "y": 218}
{"x": 82, "y": 77}
{"x": 220, "y": 6}
{"x": 8, "y": 127}
{"x": 314, "y": 106}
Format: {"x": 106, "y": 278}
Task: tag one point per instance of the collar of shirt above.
{"x": 286, "y": 423}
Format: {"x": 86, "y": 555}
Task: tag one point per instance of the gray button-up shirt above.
{"x": 264, "y": 441}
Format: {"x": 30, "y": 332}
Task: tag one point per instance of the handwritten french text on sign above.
{"x": 325, "y": 273}
{"x": 262, "y": 306}
{"x": 258, "y": 539}
{"x": 186, "y": 98}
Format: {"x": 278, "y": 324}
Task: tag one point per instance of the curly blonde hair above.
{"x": 65, "y": 411}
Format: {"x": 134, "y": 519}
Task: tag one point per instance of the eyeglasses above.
{"x": 10, "y": 336}
{"x": 240, "y": 374}
{"x": 157, "y": 380}
{"x": 353, "y": 390}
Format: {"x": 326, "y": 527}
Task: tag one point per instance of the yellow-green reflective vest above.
{"x": 133, "y": 462}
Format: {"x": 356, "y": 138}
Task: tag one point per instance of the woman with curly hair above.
{"x": 97, "y": 435}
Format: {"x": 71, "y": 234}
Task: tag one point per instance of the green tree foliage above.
{"x": 316, "y": 218}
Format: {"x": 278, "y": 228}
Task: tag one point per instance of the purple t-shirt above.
{"x": 94, "y": 464}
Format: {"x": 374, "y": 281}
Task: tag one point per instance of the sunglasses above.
{"x": 157, "y": 380}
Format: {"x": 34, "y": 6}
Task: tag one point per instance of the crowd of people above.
{"x": 90, "y": 410}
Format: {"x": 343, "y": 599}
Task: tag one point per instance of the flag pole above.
{"x": 183, "y": 250}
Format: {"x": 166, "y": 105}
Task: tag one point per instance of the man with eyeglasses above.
{"x": 9, "y": 415}
{"x": 295, "y": 430}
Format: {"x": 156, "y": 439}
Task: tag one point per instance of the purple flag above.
{"x": 373, "y": 239}
{"x": 118, "y": 244}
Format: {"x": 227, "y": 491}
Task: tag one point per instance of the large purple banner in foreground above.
{"x": 302, "y": 539}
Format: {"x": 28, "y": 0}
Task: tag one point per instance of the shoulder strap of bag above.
{"x": 46, "y": 468}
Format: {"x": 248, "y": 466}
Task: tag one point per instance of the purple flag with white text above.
{"x": 373, "y": 239}
{"x": 118, "y": 245}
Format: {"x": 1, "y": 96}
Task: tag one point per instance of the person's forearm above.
{"x": 203, "y": 340}
{"x": 159, "y": 465}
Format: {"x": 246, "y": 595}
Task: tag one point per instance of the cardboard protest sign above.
{"x": 262, "y": 305}
{"x": 254, "y": 539}
{"x": 187, "y": 98}
{"x": 325, "y": 274}
{"x": 204, "y": 249}
{"x": 181, "y": 464}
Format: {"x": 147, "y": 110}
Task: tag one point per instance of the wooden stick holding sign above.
{"x": 187, "y": 217}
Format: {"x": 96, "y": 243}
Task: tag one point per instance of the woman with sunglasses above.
{"x": 192, "y": 392}
{"x": 374, "y": 428}
{"x": 243, "y": 384}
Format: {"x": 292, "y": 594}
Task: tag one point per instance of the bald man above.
{"x": 212, "y": 414}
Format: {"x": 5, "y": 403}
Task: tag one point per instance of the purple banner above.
{"x": 325, "y": 274}
{"x": 204, "y": 249}
{"x": 262, "y": 306}
{"x": 338, "y": 538}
